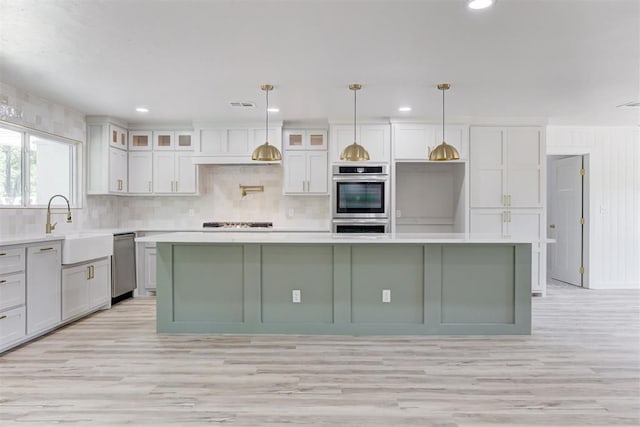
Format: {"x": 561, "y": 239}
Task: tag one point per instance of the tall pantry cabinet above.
{"x": 507, "y": 188}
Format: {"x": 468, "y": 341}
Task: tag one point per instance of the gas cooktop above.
{"x": 237, "y": 225}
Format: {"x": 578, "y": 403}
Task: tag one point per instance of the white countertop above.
{"x": 330, "y": 238}
{"x": 20, "y": 239}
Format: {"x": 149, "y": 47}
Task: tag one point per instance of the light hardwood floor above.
{"x": 581, "y": 366}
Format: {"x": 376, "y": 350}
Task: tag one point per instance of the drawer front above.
{"x": 12, "y": 260}
{"x": 12, "y": 290}
{"x": 13, "y": 324}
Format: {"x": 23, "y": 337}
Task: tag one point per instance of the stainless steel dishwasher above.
{"x": 123, "y": 267}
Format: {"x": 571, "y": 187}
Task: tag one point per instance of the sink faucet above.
{"x": 51, "y": 227}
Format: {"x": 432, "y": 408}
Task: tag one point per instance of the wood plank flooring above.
{"x": 580, "y": 367}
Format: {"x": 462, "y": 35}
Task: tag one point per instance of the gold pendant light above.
{"x": 354, "y": 152}
{"x": 444, "y": 151}
{"x": 266, "y": 152}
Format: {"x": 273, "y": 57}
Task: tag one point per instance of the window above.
{"x": 34, "y": 167}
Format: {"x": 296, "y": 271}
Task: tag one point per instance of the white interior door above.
{"x": 564, "y": 222}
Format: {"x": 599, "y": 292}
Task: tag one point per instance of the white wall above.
{"x": 614, "y": 199}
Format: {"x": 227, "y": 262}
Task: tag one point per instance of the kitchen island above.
{"x": 323, "y": 283}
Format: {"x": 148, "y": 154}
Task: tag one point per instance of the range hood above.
{"x": 239, "y": 159}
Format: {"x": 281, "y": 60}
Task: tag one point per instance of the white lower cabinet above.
{"x": 43, "y": 286}
{"x": 85, "y": 287}
{"x": 150, "y": 267}
{"x": 12, "y": 326}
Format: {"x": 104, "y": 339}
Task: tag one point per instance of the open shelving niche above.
{"x": 430, "y": 197}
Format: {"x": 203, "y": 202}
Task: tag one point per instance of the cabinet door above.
{"x": 150, "y": 267}
{"x": 487, "y": 166}
{"x": 117, "y": 136}
{"x": 489, "y": 221}
{"x": 295, "y": 172}
{"x": 117, "y": 170}
{"x": 140, "y": 172}
{"x": 185, "y": 174}
{"x": 99, "y": 284}
{"x": 184, "y": 141}
{"x": 524, "y": 223}
{"x": 12, "y": 290}
{"x": 43, "y": 287}
{"x": 524, "y": 148}
{"x": 293, "y": 139}
{"x": 412, "y": 141}
{"x": 317, "y": 172}
{"x": 163, "y": 140}
{"x": 316, "y": 140}
{"x": 213, "y": 141}
{"x": 163, "y": 172}
{"x": 140, "y": 140}
{"x": 75, "y": 293}
{"x": 377, "y": 140}
{"x": 238, "y": 142}
{"x": 12, "y": 326}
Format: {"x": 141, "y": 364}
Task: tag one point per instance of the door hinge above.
{"x": 582, "y": 221}
{"x": 582, "y": 171}
{"x": 581, "y": 270}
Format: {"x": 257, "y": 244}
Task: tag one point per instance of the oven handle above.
{"x": 371, "y": 221}
{"x": 360, "y": 178}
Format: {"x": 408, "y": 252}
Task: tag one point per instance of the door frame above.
{"x": 586, "y": 152}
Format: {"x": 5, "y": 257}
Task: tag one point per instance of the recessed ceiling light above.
{"x": 273, "y": 109}
{"x": 479, "y": 4}
{"x": 142, "y": 109}
{"x": 404, "y": 109}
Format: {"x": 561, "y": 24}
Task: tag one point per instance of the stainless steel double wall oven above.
{"x": 360, "y": 198}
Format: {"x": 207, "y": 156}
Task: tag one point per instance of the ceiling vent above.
{"x": 629, "y": 104}
{"x": 242, "y": 104}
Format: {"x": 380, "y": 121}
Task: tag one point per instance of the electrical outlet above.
{"x": 398, "y": 213}
{"x": 192, "y": 212}
{"x": 295, "y": 296}
{"x": 386, "y": 295}
{"x": 291, "y": 212}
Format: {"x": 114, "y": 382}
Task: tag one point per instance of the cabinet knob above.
{"x": 552, "y": 226}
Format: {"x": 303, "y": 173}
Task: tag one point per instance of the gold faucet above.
{"x": 51, "y": 227}
{"x": 251, "y": 189}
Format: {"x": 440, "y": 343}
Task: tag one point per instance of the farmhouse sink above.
{"x": 79, "y": 247}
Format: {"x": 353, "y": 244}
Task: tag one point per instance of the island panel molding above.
{"x": 435, "y": 288}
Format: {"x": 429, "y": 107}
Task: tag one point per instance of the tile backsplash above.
{"x": 221, "y": 200}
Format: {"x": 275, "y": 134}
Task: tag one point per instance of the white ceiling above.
{"x": 567, "y": 61}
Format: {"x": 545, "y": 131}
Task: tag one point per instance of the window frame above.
{"x": 75, "y": 161}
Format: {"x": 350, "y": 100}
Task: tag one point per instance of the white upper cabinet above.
{"x": 117, "y": 136}
{"x": 163, "y": 140}
{"x": 173, "y": 173}
{"x": 376, "y": 139}
{"x": 141, "y": 172}
{"x": 106, "y": 159}
{"x": 506, "y": 167}
{"x": 305, "y": 162}
{"x": 413, "y": 141}
{"x": 304, "y": 139}
{"x": 184, "y": 140}
{"x": 117, "y": 171}
{"x": 220, "y": 144}
{"x": 140, "y": 140}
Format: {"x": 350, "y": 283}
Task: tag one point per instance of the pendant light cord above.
{"x": 266, "y": 126}
{"x": 442, "y": 115}
{"x": 354, "y": 114}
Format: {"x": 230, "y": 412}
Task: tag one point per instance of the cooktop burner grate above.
{"x": 237, "y": 225}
